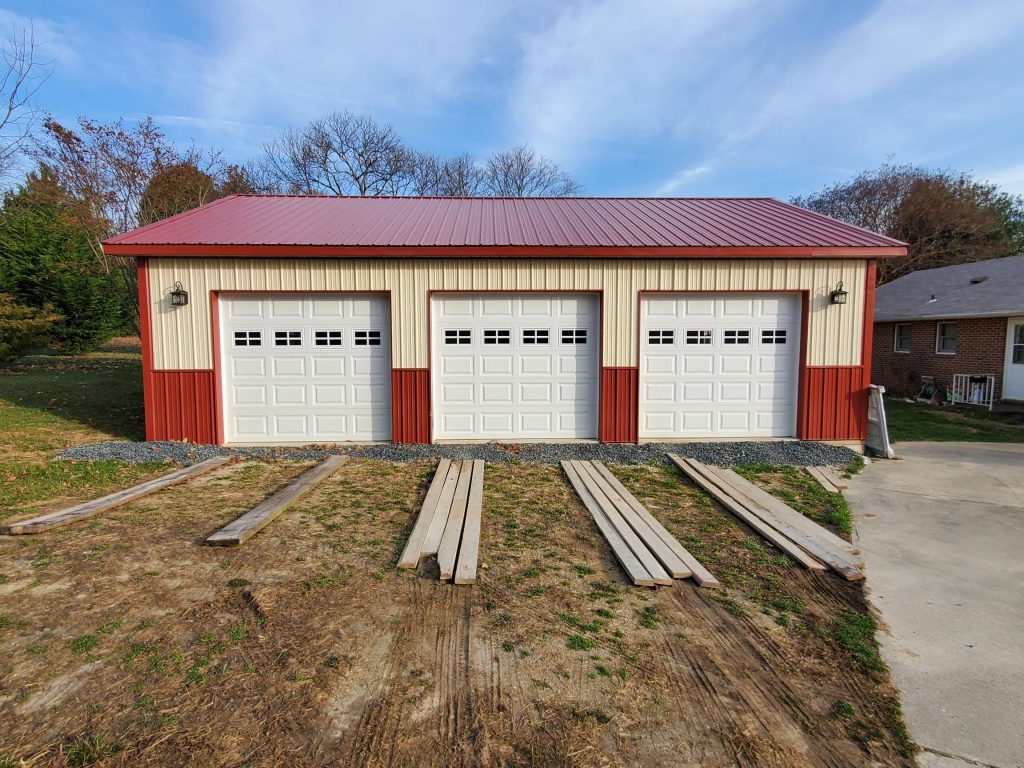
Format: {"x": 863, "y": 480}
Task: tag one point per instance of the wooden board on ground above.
{"x": 95, "y": 507}
{"x": 449, "y": 549}
{"x": 747, "y": 490}
{"x": 410, "y": 557}
{"x": 636, "y": 544}
{"x": 469, "y": 548}
{"x": 629, "y": 562}
{"x": 723, "y": 497}
{"x": 439, "y": 518}
{"x": 245, "y": 527}
{"x": 698, "y": 572}
{"x": 827, "y": 479}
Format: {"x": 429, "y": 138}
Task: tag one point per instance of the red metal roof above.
{"x": 303, "y": 224}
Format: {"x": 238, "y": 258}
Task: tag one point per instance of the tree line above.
{"x": 92, "y": 180}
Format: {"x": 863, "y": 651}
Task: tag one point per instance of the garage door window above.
{"x": 736, "y": 337}
{"x": 287, "y": 338}
{"x": 367, "y": 338}
{"x": 327, "y": 338}
{"x": 539, "y": 336}
{"x": 698, "y": 337}
{"x": 661, "y": 337}
{"x": 773, "y": 336}
{"x": 574, "y": 336}
{"x": 458, "y": 337}
{"x": 248, "y": 338}
{"x": 497, "y": 336}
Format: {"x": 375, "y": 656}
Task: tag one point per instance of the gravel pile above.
{"x": 721, "y": 454}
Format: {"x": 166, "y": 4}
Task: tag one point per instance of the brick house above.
{"x": 966, "y": 319}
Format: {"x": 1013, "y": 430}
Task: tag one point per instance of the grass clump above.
{"x": 856, "y": 633}
{"x": 90, "y": 751}
{"x": 83, "y": 644}
{"x": 580, "y": 643}
{"x": 649, "y": 617}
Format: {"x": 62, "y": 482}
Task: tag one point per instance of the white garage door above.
{"x": 719, "y": 365}
{"x": 519, "y": 367}
{"x": 305, "y": 368}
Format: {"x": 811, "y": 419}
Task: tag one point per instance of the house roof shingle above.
{"x": 297, "y": 225}
{"x": 982, "y": 288}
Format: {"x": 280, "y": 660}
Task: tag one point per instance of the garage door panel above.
{"x": 457, "y": 393}
{"x": 324, "y": 361}
{"x": 734, "y": 359}
{"x": 532, "y": 358}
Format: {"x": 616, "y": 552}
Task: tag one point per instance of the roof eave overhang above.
{"x": 950, "y": 316}
{"x": 505, "y": 251}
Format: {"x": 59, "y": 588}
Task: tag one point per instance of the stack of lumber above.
{"x": 827, "y": 479}
{"x": 648, "y": 553}
{"x": 248, "y": 525}
{"x": 448, "y": 525}
{"x": 814, "y": 547}
{"x": 96, "y": 506}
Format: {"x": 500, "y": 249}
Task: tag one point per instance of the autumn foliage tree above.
{"x": 944, "y": 217}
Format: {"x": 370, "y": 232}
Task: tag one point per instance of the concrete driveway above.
{"x": 942, "y": 534}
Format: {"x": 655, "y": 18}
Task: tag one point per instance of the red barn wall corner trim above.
{"x": 410, "y": 405}
{"x": 620, "y": 405}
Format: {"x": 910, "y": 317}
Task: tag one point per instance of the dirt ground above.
{"x": 123, "y": 642}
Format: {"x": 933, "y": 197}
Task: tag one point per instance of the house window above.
{"x": 574, "y": 336}
{"x": 736, "y": 337}
{"x": 367, "y": 338}
{"x": 901, "y": 342}
{"x": 535, "y": 337}
{"x": 287, "y": 338}
{"x": 327, "y": 338}
{"x": 497, "y": 336}
{"x": 661, "y": 337}
{"x": 458, "y": 336}
{"x": 773, "y": 336}
{"x": 1017, "y": 356}
{"x": 945, "y": 338}
{"x": 248, "y": 338}
{"x": 698, "y": 337}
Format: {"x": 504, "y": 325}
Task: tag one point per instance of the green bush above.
{"x": 23, "y": 329}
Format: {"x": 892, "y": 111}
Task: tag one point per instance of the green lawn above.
{"x": 917, "y": 421}
{"x": 51, "y": 402}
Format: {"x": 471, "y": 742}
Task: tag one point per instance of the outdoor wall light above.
{"x": 838, "y": 296}
{"x": 179, "y": 296}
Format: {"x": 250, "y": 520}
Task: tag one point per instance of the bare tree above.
{"x": 521, "y": 172}
{"x": 341, "y": 154}
{"x": 22, "y": 76}
{"x": 945, "y": 217}
{"x": 458, "y": 176}
{"x": 107, "y": 170}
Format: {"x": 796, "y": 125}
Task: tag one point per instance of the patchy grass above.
{"x": 918, "y": 421}
{"x": 803, "y": 493}
{"x": 855, "y": 632}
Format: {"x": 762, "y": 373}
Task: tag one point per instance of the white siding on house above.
{"x": 182, "y": 337}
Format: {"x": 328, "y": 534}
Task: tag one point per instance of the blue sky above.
{"x": 650, "y": 97}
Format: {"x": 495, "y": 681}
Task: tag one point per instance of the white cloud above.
{"x": 627, "y": 71}
{"x": 1009, "y": 179}
{"x": 680, "y": 180}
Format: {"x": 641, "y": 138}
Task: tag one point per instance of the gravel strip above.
{"x": 780, "y": 452}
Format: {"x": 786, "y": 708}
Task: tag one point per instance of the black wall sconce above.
{"x": 838, "y": 296}
{"x": 179, "y": 296}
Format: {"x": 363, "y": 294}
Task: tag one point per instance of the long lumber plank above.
{"x": 411, "y": 554}
{"x": 469, "y": 548}
{"x": 248, "y": 525}
{"x": 642, "y": 552}
{"x": 449, "y": 549}
{"x": 96, "y": 506}
{"x": 432, "y": 541}
{"x": 698, "y": 572}
{"x": 839, "y": 562}
{"x": 824, "y": 479}
{"x": 669, "y": 560}
{"x": 784, "y": 544}
{"x": 784, "y": 512}
{"x": 633, "y": 568}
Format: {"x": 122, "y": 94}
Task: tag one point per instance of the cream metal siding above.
{"x": 182, "y": 337}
